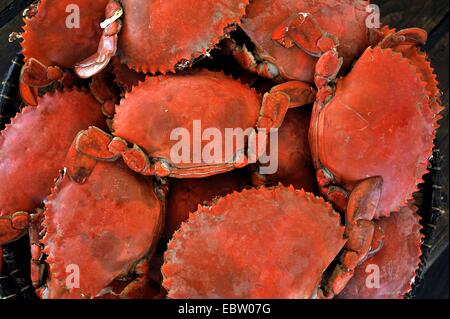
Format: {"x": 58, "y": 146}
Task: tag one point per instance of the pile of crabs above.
{"x": 86, "y": 169}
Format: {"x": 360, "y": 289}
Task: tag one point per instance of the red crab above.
{"x": 109, "y": 234}
{"x": 186, "y": 194}
{"x": 348, "y": 122}
{"x": 295, "y": 165}
{"x": 372, "y": 133}
{"x": 162, "y": 36}
{"x": 53, "y": 42}
{"x": 227, "y": 251}
{"x": 33, "y": 149}
{"x": 397, "y": 262}
{"x": 168, "y": 103}
{"x": 290, "y": 35}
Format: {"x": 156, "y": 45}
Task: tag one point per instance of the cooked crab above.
{"x": 33, "y": 149}
{"x": 260, "y": 243}
{"x": 290, "y": 35}
{"x": 362, "y": 126}
{"x": 108, "y": 235}
{"x": 57, "y": 35}
{"x": 164, "y": 107}
{"x": 372, "y": 131}
{"x": 161, "y": 36}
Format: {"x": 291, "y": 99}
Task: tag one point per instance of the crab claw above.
{"x": 93, "y": 142}
{"x": 13, "y": 227}
{"x": 273, "y": 109}
{"x": 78, "y": 165}
{"x": 34, "y": 75}
{"x": 300, "y": 93}
{"x": 107, "y": 47}
{"x": 411, "y": 37}
{"x": 94, "y": 64}
{"x": 29, "y": 94}
{"x": 327, "y": 68}
{"x": 365, "y": 238}
{"x": 282, "y": 97}
{"x": 88, "y": 147}
{"x": 303, "y": 30}
{"x": 363, "y": 200}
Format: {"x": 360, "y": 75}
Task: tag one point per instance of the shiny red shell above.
{"x": 115, "y": 223}
{"x": 260, "y": 243}
{"x": 34, "y": 146}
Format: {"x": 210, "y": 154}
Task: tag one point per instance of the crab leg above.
{"x": 364, "y": 236}
{"x": 249, "y": 62}
{"x": 405, "y": 37}
{"x": 94, "y": 145}
{"x": 35, "y": 75}
{"x": 107, "y": 47}
{"x": 303, "y": 30}
{"x": 282, "y": 97}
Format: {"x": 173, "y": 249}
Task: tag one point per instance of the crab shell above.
{"x": 34, "y": 146}
{"x": 156, "y": 35}
{"x": 172, "y": 102}
{"x": 344, "y": 19}
{"x": 186, "y": 194}
{"x": 47, "y": 34}
{"x": 397, "y": 261}
{"x": 116, "y": 222}
{"x": 381, "y": 121}
{"x": 260, "y": 243}
{"x": 295, "y": 166}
